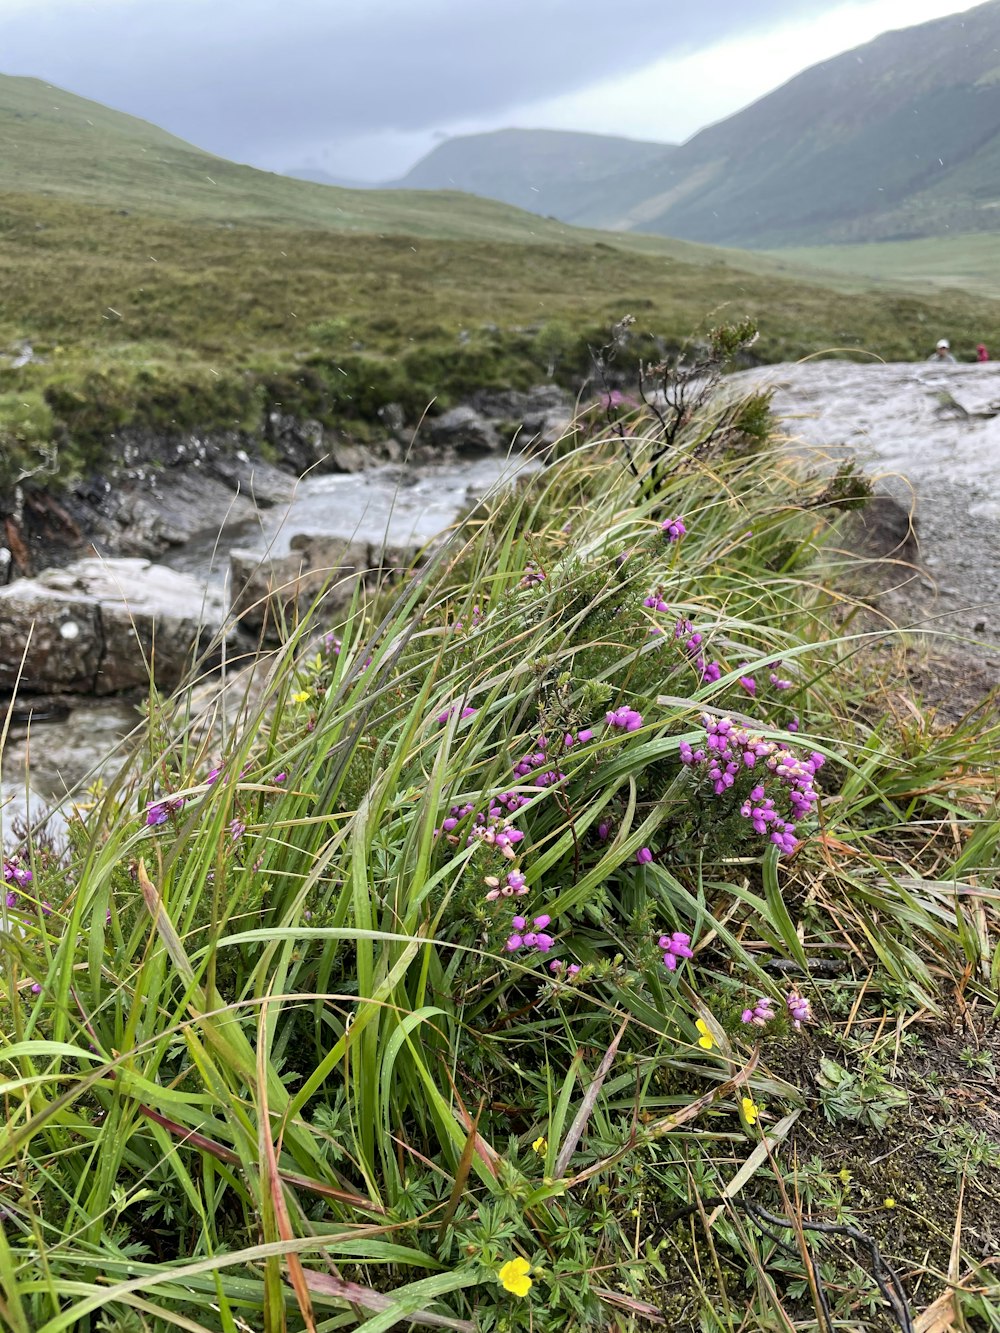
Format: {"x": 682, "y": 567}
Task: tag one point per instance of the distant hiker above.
{"x": 981, "y": 352}
{"x": 942, "y": 352}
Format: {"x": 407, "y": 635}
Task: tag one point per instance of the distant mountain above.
{"x": 899, "y": 138}
{"x": 894, "y": 140}
{"x": 558, "y": 173}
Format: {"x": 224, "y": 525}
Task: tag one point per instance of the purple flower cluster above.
{"x": 708, "y": 671}
{"x": 799, "y": 1010}
{"x": 331, "y": 644}
{"x": 761, "y": 1013}
{"x": 673, "y": 529}
{"x": 624, "y": 719}
{"x": 557, "y": 965}
{"x": 522, "y": 938}
{"x": 655, "y": 602}
{"x": 532, "y": 576}
{"x": 474, "y": 620}
{"x": 675, "y": 947}
{"x": 777, "y": 681}
{"x": 515, "y": 886}
{"x": 13, "y": 873}
{"x": 731, "y": 752}
{"x": 442, "y": 718}
{"x": 643, "y": 856}
{"x": 160, "y": 811}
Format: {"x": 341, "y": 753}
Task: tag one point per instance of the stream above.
{"x": 394, "y": 504}
{"x": 923, "y": 429}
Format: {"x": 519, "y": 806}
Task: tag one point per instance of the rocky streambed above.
{"x": 214, "y": 547}
{"x": 219, "y": 522}
{"x": 929, "y": 435}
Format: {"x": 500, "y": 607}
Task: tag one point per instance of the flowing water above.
{"x": 400, "y": 505}
{"x": 900, "y": 421}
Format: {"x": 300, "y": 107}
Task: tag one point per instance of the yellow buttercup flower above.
{"x": 706, "y": 1039}
{"x": 514, "y": 1277}
{"x": 540, "y": 1144}
{"x": 751, "y": 1111}
{"x": 302, "y": 697}
{"x": 890, "y": 1203}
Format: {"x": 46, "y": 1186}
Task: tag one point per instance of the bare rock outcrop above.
{"x": 101, "y": 626}
{"x": 270, "y": 592}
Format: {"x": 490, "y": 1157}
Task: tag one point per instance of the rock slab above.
{"x": 100, "y": 626}
{"x": 270, "y": 593}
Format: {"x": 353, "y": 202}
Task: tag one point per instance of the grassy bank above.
{"x": 176, "y": 324}
{"x": 447, "y": 986}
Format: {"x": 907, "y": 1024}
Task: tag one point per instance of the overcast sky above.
{"x": 364, "y": 87}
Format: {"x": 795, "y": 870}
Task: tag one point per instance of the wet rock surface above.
{"x": 99, "y": 627}
{"x": 941, "y": 467}
{"x": 270, "y": 592}
{"x": 162, "y": 491}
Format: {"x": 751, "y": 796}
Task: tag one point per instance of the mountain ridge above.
{"x": 892, "y": 140}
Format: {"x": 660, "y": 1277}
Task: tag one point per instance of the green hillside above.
{"x": 895, "y": 140}
{"x": 158, "y": 286}
{"x": 552, "y": 172}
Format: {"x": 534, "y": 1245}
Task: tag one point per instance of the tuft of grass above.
{"x": 271, "y": 1058}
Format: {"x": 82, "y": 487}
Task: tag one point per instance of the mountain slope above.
{"x": 899, "y": 138}
{"x": 54, "y": 143}
{"x": 558, "y": 173}
{"x": 896, "y": 139}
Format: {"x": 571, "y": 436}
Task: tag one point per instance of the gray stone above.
{"x": 464, "y": 430}
{"x": 101, "y": 626}
{"x": 269, "y": 593}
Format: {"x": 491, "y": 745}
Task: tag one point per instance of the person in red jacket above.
{"x": 981, "y": 352}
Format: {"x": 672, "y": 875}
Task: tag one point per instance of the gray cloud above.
{"x": 266, "y": 82}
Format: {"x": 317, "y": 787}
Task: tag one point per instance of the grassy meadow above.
{"x": 144, "y": 320}
{"x": 161, "y": 287}
{"x": 966, "y": 262}
{"x": 596, "y": 932}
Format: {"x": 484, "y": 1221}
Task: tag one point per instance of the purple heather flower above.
{"x": 157, "y": 814}
{"x": 799, "y": 1010}
{"x": 624, "y": 718}
{"x": 557, "y": 966}
{"x": 11, "y": 899}
{"x": 514, "y": 943}
{"x": 279, "y": 778}
{"x": 673, "y": 529}
{"x": 603, "y": 830}
{"x": 442, "y": 718}
{"x": 761, "y": 1013}
{"x": 236, "y": 829}
{"x": 778, "y": 683}
{"x": 675, "y": 947}
{"x": 749, "y": 684}
{"x": 212, "y": 776}
{"x": 793, "y": 725}
{"x": 644, "y": 856}
{"x": 16, "y": 874}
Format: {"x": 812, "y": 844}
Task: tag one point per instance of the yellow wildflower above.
{"x": 890, "y": 1203}
{"x": 514, "y": 1277}
{"x": 302, "y": 697}
{"x": 539, "y": 1145}
{"x": 706, "y": 1039}
{"x": 751, "y": 1111}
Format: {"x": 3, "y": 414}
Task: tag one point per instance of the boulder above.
{"x": 464, "y": 430}
{"x": 270, "y": 592}
{"x": 99, "y": 626}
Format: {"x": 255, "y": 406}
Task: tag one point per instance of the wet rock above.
{"x": 270, "y": 593}
{"x": 884, "y": 529}
{"x": 464, "y": 430}
{"x": 301, "y": 445}
{"x": 100, "y": 626}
